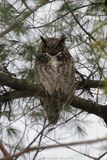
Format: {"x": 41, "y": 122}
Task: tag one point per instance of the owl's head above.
{"x": 53, "y": 49}
{"x": 52, "y": 46}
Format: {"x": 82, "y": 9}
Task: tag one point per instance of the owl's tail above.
{"x": 52, "y": 109}
{"x": 53, "y": 115}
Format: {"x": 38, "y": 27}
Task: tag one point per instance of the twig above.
{"x": 20, "y": 19}
{"x": 4, "y": 150}
{"x": 56, "y": 146}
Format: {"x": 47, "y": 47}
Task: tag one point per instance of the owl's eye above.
{"x": 46, "y": 54}
{"x": 43, "y": 58}
{"x": 61, "y": 56}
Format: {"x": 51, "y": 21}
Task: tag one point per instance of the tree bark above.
{"x": 23, "y": 89}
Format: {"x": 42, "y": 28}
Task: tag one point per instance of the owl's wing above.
{"x": 36, "y": 71}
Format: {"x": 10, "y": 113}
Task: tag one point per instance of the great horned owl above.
{"x": 54, "y": 69}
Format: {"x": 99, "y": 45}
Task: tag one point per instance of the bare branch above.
{"x": 18, "y": 84}
{"x": 20, "y": 19}
{"x": 4, "y": 150}
{"x": 90, "y": 84}
{"x": 25, "y": 89}
{"x": 31, "y": 149}
{"x": 90, "y": 107}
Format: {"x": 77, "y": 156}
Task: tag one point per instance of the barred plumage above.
{"x": 54, "y": 69}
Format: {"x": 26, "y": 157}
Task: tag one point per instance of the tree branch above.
{"x": 86, "y": 84}
{"x": 18, "y": 84}
{"x": 78, "y": 21}
{"x": 20, "y": 19}
{"x": 31, "y": 149}
{"x": 26, "y": 14}
{"x": 4, "y": 150}
{"x": 90, "y": 107}
{"x": 23, "y": 89}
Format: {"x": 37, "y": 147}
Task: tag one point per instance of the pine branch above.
{"x": 20, "y": 19}
{"x": 17, "y": 84}
{"x": 86, "y": 84}
{"x": 23, "y": 89}
{"x": 31, "y": 149}
{"x": 90, "y": 107}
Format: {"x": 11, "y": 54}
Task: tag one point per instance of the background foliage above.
{"x": 22, "y": 123}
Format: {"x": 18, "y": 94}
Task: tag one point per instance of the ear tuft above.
{"x": 43, "y": 39}
{"x": 62, "y": 39}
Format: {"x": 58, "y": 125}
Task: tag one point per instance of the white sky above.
{"x": 95, "y": 129}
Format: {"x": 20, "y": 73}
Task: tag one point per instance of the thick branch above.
{"x": 86, "y": 84}
{"x": 18, "y": 84}
{"x": 25, "y": 89}
{"x": 90, "y": 107}
{"x": 78, "y": 102}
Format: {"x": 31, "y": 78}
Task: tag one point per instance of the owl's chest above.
{"x": 55, "y": 75}
{"x": 53, "y": 71}
{"x": 54, "y": 65}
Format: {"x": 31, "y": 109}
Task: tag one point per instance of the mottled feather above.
{"x": 54, "y": 69}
